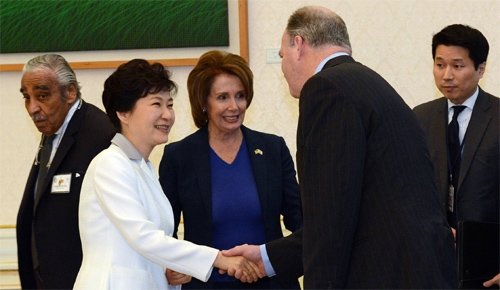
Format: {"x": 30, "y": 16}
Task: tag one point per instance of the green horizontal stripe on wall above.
{"x": 79, "y": 25}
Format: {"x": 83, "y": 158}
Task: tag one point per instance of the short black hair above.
{"x": 131, "y": 81}
{"x": 464, "y": 36}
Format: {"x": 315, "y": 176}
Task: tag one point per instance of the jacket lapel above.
{"x": 256, "y": 152}
{"x": 30, "y": 188}
{"x": 478, "y": 123}
{"x": 63, "y": 148}
{"x": 201, "y": 160}
{"x": 40, "y": 188}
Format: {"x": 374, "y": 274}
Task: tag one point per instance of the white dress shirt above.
{"x": 464, "y": 117}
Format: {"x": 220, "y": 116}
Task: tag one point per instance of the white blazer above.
{"x": 126, "y": 224}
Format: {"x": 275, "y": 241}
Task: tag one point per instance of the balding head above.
{"x": 318, "y": 26}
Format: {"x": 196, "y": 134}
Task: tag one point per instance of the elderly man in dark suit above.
{"x": 73, "y": 132}
{"x": 468, "y": 180}
{"x": 371, "y": 215}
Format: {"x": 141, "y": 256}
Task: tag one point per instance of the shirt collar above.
{"x": 77, "y": 105}
{"x": 324, "y": 61}
{"x": 469, "y": 103}
{"x": 124, "y": 144}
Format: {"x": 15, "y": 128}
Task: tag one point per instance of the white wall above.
{"x": 391, "y": 36}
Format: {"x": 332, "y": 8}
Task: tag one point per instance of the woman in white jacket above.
{"x": 125, "y": 220}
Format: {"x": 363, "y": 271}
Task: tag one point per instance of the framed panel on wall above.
{"x": 92, "y": 33}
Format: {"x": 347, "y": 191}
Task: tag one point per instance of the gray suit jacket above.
{"x": 478, "y": 190}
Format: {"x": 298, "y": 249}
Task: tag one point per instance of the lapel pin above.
{"x": 258, "y": 152}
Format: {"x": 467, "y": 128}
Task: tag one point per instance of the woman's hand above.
{"x": 494, "y": 281}
{"x": 176, "y": 278}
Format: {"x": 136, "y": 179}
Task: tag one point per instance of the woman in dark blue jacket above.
{"x": 231, "y": 184}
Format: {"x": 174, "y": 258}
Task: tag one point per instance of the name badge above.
{"x": 61, "y": 183}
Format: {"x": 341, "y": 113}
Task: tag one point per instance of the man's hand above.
{"x": 251, "y": 252}
{"x": 176, "y": 278}
{"x": 238, "y": 267}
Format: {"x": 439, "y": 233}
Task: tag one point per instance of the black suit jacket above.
{"x": 371, "y": 215}
{"x": 477, "y": 191}
{"x": 185, "y": 178}
{"x": 53, "y": 218}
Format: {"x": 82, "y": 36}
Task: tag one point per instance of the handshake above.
{"x": 242, "y": 262}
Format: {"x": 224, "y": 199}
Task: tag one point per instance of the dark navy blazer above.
{"x": 185, "y": 178}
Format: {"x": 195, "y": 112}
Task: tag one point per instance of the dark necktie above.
{"x": 43, "y": 160}
{"x": 44, "y": 155}
{"x": 454, "y": 146}
{"x": 454, "y": 158}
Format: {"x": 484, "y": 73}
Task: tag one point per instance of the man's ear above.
{"x": 299, "y": 44}
{"x": 481, "y": 68}
{"x": 72, "y": 94}
{"x": 298, "y": 40}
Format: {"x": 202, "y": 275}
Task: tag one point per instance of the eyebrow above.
{"x": 38, "y": 87}
{"x": 157, "y": 97}
{"x": 453, "y": 59}
{"x": 42, "y": 87}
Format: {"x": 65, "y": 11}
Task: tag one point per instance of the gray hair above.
{"x": 56, "y": 63}
{"x": 318, "y": 26}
